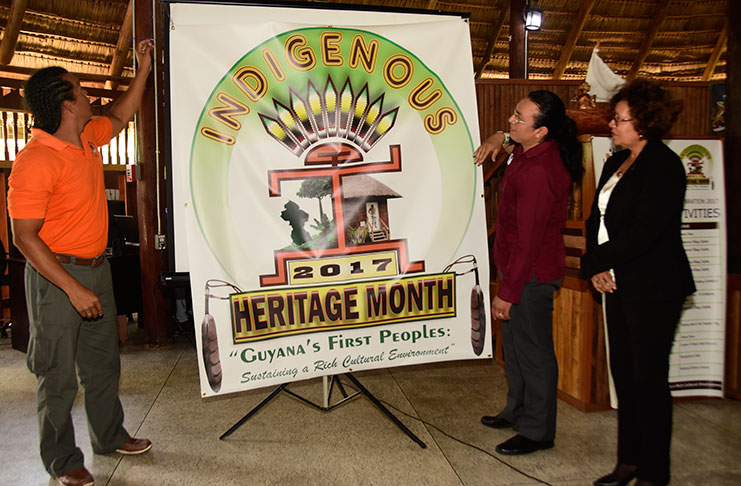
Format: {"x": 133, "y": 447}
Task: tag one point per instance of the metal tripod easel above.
{"x": 328, "y": 385}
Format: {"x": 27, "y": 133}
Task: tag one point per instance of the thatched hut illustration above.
{"x": 365, "y": 206}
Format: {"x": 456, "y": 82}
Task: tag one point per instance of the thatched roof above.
{"x": 682, "y": 40}
{"x": 362, "y": 185}
{"x": 79, "y": 35}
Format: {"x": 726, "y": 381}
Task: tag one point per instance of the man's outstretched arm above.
{"x": 122, "y": 111}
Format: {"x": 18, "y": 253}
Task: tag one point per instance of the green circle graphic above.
{"x": 210, "y": 160}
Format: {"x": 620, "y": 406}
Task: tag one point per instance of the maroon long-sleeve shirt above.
{"x": 530, "y": 219}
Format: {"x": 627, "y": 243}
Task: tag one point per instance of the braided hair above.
{"x": 561, "y": 128}
{"x": 43, "y": 96}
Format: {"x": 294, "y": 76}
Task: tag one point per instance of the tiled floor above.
{"x": 289, "y": 442}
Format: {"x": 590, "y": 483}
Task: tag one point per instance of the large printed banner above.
{"x": 326, "y": 202}
{"x": 696, "y": 361}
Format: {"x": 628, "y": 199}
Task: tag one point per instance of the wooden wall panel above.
{"x": 566, "y": 338}
{"x": 694, "y": 121}
{"x": 579, "y": 343}
{"x": 497, "y": 99}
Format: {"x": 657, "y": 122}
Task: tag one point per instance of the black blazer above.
{"x": 644, "y": 222}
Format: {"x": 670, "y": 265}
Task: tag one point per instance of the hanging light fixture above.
{"x": 533, "y": 16}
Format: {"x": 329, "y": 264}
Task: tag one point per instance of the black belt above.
{"x": 84, "y": 262}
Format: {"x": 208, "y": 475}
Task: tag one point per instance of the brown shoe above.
{"x": 134, "y": 446}
{"x": 78, "y": 477}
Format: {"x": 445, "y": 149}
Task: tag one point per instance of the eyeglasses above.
{"x": 517, "y": 118}
{"x": 618, "y": 120}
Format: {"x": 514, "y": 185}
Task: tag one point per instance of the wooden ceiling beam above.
{"x": 109, "y": 94}
{"x": 84, "y": 77}
{"x": 568, "y": 49}
{"x": 720, "y": 46}
{"x": 648, "y": 41}
{"x": 431, "y": 4}
{"x": 496, "y": 31}
{"x": 12, "y": 100}
{"x": 13, "y": 28}
{"x": 122, "y": 46}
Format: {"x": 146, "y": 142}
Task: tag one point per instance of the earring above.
{"x": 640, "y": 135}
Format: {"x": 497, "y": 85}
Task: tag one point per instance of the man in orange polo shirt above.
{"x": 59, "y": 217}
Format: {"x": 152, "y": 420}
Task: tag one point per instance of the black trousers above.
{"x": 532, "y": 369}
{"x": 641, "y": 337}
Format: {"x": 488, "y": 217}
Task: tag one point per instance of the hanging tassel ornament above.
{"x": 478, "y": 311}
{"x": 478, "y": 316}
{"x": 210, "y": 343}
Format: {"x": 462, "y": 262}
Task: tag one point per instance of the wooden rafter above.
{"x": 496, "y": 31}
{"x": 648, "y": 41}
{"x": 122, "y": 47}
{"x": 568, "y": 49}
{"x": 717, "y": 51}
{"x": 10, "y": 38}
{"x": 24, "y": 72}
{"x": 431, "y": 4}
{"x": 14, "y": 86}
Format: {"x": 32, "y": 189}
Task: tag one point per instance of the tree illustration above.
{"x": 316, "y": 187}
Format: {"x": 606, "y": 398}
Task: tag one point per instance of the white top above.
{"x": 602, "y": 199}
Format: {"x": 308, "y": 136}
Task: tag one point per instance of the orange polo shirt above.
{"x": 63, "y": 184}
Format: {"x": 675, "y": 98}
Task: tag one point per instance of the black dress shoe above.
{"x": 621, "y": 476}
{"x": 497, "y": 422}
{"x": 612, "y": 480}
{"x": 519, "y": 445}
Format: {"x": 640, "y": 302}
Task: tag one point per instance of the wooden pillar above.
{"x": 733, "y": 139}
{"x": 733, "y": 203}
{"x": 157, "y": 319}
{"x": 516, "y": 40}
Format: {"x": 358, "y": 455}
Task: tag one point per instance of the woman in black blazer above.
{"x": 636, "y": 259}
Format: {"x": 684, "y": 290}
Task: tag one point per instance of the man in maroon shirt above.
{"x": 530, "y": 255}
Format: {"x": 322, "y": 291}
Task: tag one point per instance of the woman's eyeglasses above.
{"x": 517, "y": 118}
{"x": 617, "y": 119}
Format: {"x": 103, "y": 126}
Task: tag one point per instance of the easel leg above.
{"x": 385, "y": 410}
{"x": 339, "y": 386}
{"x": 253, "y": 411}
{"x": 326, "y": 407}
